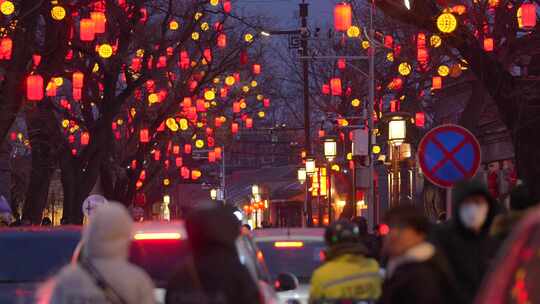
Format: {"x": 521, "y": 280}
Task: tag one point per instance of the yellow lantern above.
{"x": 58, "y": 81}
{"x": 355, "y": 102}
{"x": 184, "y": 125}
{"x": 58, "y": 13}
{"x": 214, "y": 2}
{"x": 7, "y": 8}
{"x": 243, "y": 104}
{"x": 353, "y": 32}
{"x": 166, "y": 182}
{"x": 105, "y": 51}
{"x": 171, "y": 124}
{"x": 195, "y": 36}
{"x": 443, "y": 70}
{"x": 254, "y": 83}
{"x": 139, "y": 53}
{"x": 260, "y": 97}
{"x": 198, "y": 15}
{"x": 376, "y": 149}
{"x": 261, "y": 114}
{"x": 216, "y": 80}
{"x": 174, "y": 25}
{"x": 245, "y": 89}
{"x": 446, "y": 23}
{"x": 199, "y": 143}
{"x": 230, "y": 80}
{"x": 404, "y": 69}
{"x": 205, "y": 27}
{"x": 95, "y": 69}
{"x": 435, "y": 41}
{"x": 120, "y": 121}
{"x": 365, "y": 44}
{"x": 335, "y": 167}
{"x": 153, "y": 98}
{"x": 133, "y": 112}
{"x": 65, "y": 123}
{"x": 209, "y": 95}
{"x": 248, "y": 37}
{"x": 390, "y": 56}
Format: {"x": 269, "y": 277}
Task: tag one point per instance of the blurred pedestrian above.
{"x": 347, "y": 273}
{"x": 246, "y": 229}
{"x": 416, "y": 272}
{"x": 103, "y": 274}
{"x": 371, "y": 241}
{"x": 214, "y": 274}
{"x": 465, "y": 239}
{"x": 520, "y": 202}
{"x": 46, "y": 221}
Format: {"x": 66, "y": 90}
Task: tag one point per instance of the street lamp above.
{"x": 397, "y": 130}
{"x": 302, "y": 175}
{"x": 213, "y": 194}
{"x": 310, "y": 166}
{"x": 255, "y": 190}
{"x": 330, "y": 149}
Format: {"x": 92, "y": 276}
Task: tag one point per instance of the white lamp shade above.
{"x": 310, "y": 166}
{"x": 397, "y": 131}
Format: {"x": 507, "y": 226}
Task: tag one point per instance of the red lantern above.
{"x": 207, "y": 54}
{"x": 77, "y": 94}
{"x": 341, "y": 63}
{"x": 187, "y": 149}
{"x": 185, "y": 172}
{"x": 179, "y": 162}
{"x": 234, "y": 127}
{"x": 184, "y": 60}
{"x": 527, "y": 16}
{"x": 422, "y": 55}
{"x": 78, "y": 80}
{"x": 236, "y": 107}
{"x": 421, "y": 40}
{"x": 212, "y": 157}
{"x": 419, "y": 119}
{"x": 157, "y": 155}
{"x": 218, "y": 151}
{"x": 51, "y": 89}
{"x": 6, "y": 46}
{"x": 176, "y": 149}
{"x": 342, "y": 17}
{"x": 266, "y": 102}
{"x": 87, "y": 30}
{"x": 227, "y": 6}
{"x": 322, "y": 133}
{"x": 99, "y": 22}
{"x": 144, "y": 136}
{"x": 325, "y": 89}
{"x": 394, "y": 106}
{"x": 244, "y": 57}
{"x": 85, "y": 138}
{"x": 436, "y": 82}
{"x": 335, "y": 86}
{"x": 249, "y": 123}
{"x": 222, "y": 40}
{"x": 217, "y": 122}
{"x": 256, "y": 69}
{"x": 488, "y": 44}
{"x": 388, "y": 41}
{"x": 34, "y": 87}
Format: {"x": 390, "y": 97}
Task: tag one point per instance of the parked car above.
{"x": 31, "y": 255}
{"x": 292, "y": 254}
{"x": 516, "y": 272}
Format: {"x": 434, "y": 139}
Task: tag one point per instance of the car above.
{"x": 515, "y": 277}
{"x": 160, "y": 247}
{"x": 291, "y": 254}
{"x": 31, "y": 255}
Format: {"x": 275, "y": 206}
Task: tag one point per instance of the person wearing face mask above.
{"x": 465, "y": 239}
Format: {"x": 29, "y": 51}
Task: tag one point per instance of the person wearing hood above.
{"x": 416, "y": 272}
{"x": 347, "y": 273}
{"x": 103, "y": 274}
{"x": 465, "y": 239}
{"x": 214, "y": 274}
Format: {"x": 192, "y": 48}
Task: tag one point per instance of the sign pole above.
{"x": 448, "y": 203}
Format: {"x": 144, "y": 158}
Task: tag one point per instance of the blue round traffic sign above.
{"x": 448, "y": 154}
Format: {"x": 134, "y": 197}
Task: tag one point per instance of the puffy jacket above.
{"x": 469, "y": 254}
{"x": 346, "y": 275}
{"x": 106, "y": 243}
{"x": 215, "y": 275}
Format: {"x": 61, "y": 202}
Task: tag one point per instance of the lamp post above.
{"x": 397, "y": 133}
{"x": 330, "y": 153}
{"x": 302, "y": 175}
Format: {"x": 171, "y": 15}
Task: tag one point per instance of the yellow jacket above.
{"x": 346, "y": 277}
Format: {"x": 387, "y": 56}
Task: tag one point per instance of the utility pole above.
{"x": 307, "y": 121}
{"x": 373, "y": 211}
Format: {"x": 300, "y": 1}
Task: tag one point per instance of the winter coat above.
{"x": 421, "y": 275}
{"x": 347, "y": 274}
{"x": 469, "y": 253}
{"x": 214, "y": 275}
{"x": 106, "y": 245}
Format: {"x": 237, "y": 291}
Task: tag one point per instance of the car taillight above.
{"x": 288, "y": 244}
{"x": 157, "y": 236}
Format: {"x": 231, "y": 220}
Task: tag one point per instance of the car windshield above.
{"x": 298, "y": 257}
{"x": 159, "y": 258}
{"x": 33, "y": 257}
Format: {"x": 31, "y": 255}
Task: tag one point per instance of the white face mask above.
{"x": 473, "y": 215}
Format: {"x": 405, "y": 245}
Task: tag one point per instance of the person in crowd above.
{"x": 370, "y": 241}
{"x": 416, "y": 272}
{"x": 246, "y": 229}
{"x": 103, "y": 274}
{"x": 46, "y": 221}
{"x": 520, "y": 202}
{"x": 214, "y": 274}
{"x": 465, "y": 239}
{"x": 347, "y": 273}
